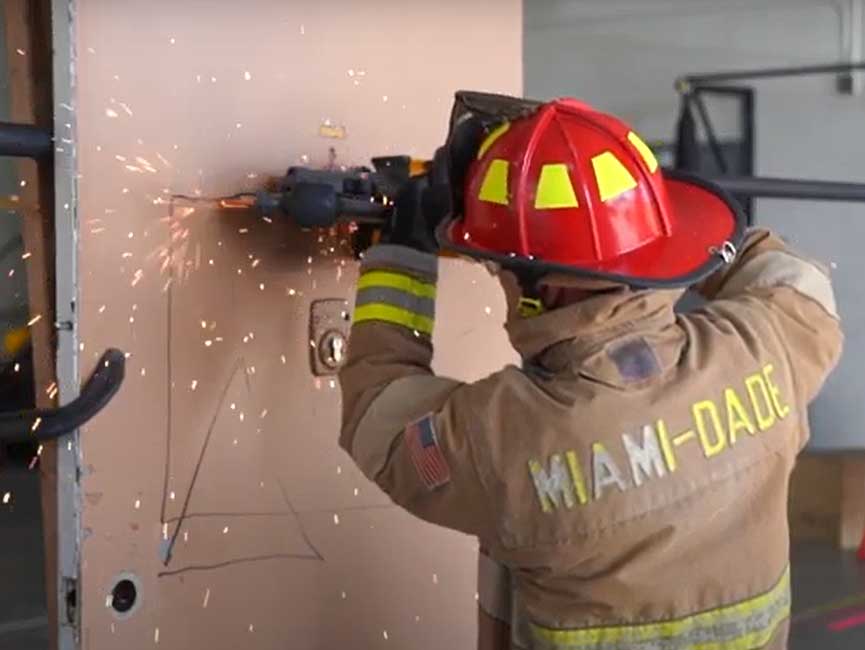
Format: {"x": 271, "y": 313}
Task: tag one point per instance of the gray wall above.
{"x": 623, "y": 56}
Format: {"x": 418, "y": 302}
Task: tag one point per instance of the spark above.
{"x": 488, "y": 310}
{"x": 7, "y": 497}
{"x": 384, "y": 98}
{"x": 213, "y": 80}
{"x": 162, "y": 159}
{"x": 17, "y": 367}
{"x": 243, "y": 231}
{"x": 23, "y": 183}
{"x": 194, "y": 384}
{"x": 185, "y": 536}
{"x": 247, "y": 75}
{"x": 302, "y": 30}
{"x": 238, "y": 125}
{"x": 11, "y": 272}
{"x": 36, "y": 424}
{"x": 292, "y": 292}
{"x": 225, "y": 530}
{"x": 233, "y": 406}
{"x": 172, "y": 40}
{"x": 172, "y": 496}
{"x": 256, "y": 262}
{"x": 156, "y": 635}
{"x": 125, "y": 108}
{"x": 261, "y": 286}
{"x": 356, "y": 492}
{"x": 344, "y": 595}
{"x": 267, "y": 219}
{"x": 206, "y": 598}
{"x": 120, "y": 158}
{"x": 125, "y": 190}
{"x": 133, "y": 168}
{"x": 96, "y": 231}
{"x": 435, "y": 578}
{"x": 241, "y": 416}
{"x": 251, "y": 627}
{"x": 336, "y": 519}
{"x": 130, "y": 235}
{"x": 339, "y": 469}
{"x": 110, "y": 112}
{"x": 263, "y": 414}
{"x": 20, "y": 51}
{"x": 208, "y": 343}
{"x": 137, "y": 277}
{"x": 102, "y": 309}
{"x": 165, "y": 531}
{"x": 384, "y": 634}
{"x": 132, "y": 319}
{"x": 283, "y": 359}
{"x": 332, "y": 383}
{"x": 143, "y": 372}
{"x": 138, "y": 504}
{"x": 26, "y": 255}
{"x": 34, "y": 320}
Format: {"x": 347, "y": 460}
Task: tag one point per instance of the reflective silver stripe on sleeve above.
{"x": 403, "y": 401}
{"x": 494, "y": 588}
{"x": 388, "y": 255}
{"x": 388, "y": 295}
{"x": 778, "y": 268}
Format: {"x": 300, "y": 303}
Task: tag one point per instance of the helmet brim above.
{"x": 706, "y": 217}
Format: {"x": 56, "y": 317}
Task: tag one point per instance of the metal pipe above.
{"x": 688, "y": 81}
{"x": 788, "y": 188}
{"x": 714, "y": 145}
{"x": 24, "y": 141}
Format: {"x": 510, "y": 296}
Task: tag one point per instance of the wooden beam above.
{"x": 29, "y": 56}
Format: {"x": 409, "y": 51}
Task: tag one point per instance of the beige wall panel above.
{"x": 214, "y": 477}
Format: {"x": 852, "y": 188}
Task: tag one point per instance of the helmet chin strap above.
{"x": 530, "y": 303}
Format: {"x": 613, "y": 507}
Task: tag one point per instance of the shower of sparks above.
{"x": 34, "y": 320}
{"x": 110, "y": 112}
{"x": 206, "y": 598}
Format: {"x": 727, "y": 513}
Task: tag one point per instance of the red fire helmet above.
{"x": 570, "y": 189}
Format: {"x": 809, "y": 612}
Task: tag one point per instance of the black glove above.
{"x": 420, "y": 206}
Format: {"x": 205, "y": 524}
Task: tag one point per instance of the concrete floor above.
{"x": 828, "y": 586}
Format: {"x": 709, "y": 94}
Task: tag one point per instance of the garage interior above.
{"x": 208, "y": 505}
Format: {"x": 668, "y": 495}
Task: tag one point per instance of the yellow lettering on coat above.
{"x": 762, "y": 409}
{"x": 666, "y": 447}
{"x": 577, "y": 477}
{"x": 780, "y": 408}
{"x": 553, "y": 486}
{"x": 714, "y": 442}
{"x": 737, "y": 416}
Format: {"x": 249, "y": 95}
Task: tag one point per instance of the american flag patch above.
{"x": 423, "y": 446}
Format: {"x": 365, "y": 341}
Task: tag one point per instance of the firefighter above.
{"x": 628, "y": 483}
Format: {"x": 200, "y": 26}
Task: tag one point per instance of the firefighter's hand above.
{"x": 421, "y": 205}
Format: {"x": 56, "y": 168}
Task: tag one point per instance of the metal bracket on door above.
{"x": 329, "y": 323}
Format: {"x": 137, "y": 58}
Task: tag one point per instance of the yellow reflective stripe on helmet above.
{"x": 494, "y": 135}
{"x": 612, "y": 176}
{"x": 555, "y": 189}
{"x": 395, "y": 315}
{"x": 645, "y": 152}
{"x": 494, "y": 188}
{"x": 746, "y": 625}
{"x": 398, "y": 281}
